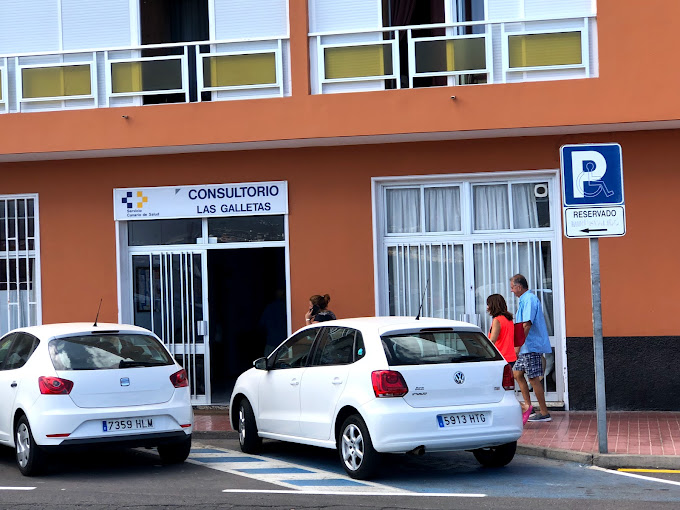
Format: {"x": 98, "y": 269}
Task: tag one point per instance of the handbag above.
{"x": 519, "y": 334}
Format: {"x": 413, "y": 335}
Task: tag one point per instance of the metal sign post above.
{"x": 600, "y": 398}
{"x": 594, "y": 207}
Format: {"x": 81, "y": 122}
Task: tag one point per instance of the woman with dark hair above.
{"x": 318, "y": 309}
{"x": 502, "y": 332}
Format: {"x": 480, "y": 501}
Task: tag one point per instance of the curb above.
{"x": 604, "y": 460}
{"x": 214, "y": 434}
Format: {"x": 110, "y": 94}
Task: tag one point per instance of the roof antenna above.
{"x": 97, "y": 317}
{"x": 420, "y": 308}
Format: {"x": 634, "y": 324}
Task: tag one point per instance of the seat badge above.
{"x": 459, "y": 377}
{"x": 125, "y": 381}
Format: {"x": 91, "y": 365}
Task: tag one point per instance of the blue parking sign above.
{"x": 592, "y": 175}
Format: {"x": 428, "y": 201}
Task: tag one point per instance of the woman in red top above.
{"x": 502, "y": 332}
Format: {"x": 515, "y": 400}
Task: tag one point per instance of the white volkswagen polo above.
{"x": 377, "y": 385}
{"x": 80, "y": 385}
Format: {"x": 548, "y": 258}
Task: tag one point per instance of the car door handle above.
{"x": 337, "y": 380}
{"x": 294, "y": 382}
{"x": 13, "y": 385}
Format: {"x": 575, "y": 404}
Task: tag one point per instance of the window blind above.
{"x": 244, "y": 18}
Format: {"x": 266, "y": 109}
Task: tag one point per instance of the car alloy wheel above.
{"x": 23, "y": 445}
{"x": 248, "y": 438}
{"x": 30, "y": 458}
{"x": 356, "y": 451}
{"x": 352, "y": 447}
{"x": 241, "y": 425}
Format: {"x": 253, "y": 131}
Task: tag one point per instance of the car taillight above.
{"x": 54, "y": 385}
{"x": 508, "y": 378}
{"x": 388, "y": 383}
{"x": 179, "y": 379}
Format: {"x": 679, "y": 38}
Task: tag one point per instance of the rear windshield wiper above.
{"x": 129, "y": 364}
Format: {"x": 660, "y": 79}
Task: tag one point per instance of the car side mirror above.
{"x": 260, "y": 363}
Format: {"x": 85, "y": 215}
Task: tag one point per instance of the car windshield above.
{"x": 107, "y": 351}
{"x": 433, "y": 347}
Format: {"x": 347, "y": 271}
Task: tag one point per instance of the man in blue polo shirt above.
{"x": 537, "y": 343}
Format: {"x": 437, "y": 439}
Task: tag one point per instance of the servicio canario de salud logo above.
{"x": 138, "y": 199}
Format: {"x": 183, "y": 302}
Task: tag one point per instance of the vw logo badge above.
{"x": 459, "y": 377}
{"x": 125, "y": 381}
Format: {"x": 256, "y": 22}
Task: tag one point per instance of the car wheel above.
{"x": 175, "y": 453}
{"x": 496, "y": 456}
{"x": 30, "y": 457}
{"x": 355, "y": 447}
{"x": 248, "y": 438}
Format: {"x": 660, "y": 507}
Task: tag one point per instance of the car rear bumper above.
{"x": 69, "y": 424}
{"x": 396, "y": 427}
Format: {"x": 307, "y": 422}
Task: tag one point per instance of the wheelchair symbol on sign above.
{"x": 588, "y": 168}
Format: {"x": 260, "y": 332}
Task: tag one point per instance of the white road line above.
{"x": 357, "y": 493}
{"x": 16, "y": 488}
{"x": 633, "y": 475}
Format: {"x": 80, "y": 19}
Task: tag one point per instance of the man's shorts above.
{"x": 530, "y": 363}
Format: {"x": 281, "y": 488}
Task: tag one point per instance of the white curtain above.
{"x": 403, "y": 210}
{"x": 491, "y": 208}
{"x": 524, "y": 210}
{"x": 442, "y": 209}
{"x": 496, "y": 262}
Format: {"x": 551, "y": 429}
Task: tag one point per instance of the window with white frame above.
{"x": 449, "y": 245}
{"x": 463, "y": 241}
{"x": 19, "y": 279}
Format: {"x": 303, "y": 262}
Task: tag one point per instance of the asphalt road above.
{"x": 289, "y": 477}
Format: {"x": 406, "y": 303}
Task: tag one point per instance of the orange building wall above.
{"x": 632, "y": 41}
{"x": 331, "y": 243}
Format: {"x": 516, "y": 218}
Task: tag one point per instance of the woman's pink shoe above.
{"x": 526, "y": 414}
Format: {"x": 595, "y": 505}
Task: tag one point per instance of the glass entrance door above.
{"x": 170, "y": 299}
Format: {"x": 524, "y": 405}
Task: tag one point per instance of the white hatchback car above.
{"x": 382, "y": 384}
{"x": 79, "y": 385}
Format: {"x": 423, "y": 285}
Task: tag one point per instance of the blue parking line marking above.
{"x": 272, "y": 471}
{"x": 228, "y": 459}
{"x": 205, "y": 450}
{"x": 330, "y": 482}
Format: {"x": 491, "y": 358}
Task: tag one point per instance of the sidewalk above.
{"x": 646, "y": 440}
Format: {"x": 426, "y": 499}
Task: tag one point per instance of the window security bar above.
{"x": 18, "y": 264}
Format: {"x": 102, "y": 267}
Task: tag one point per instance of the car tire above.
{"x": 355, "y": 448}
{"x": 248, "y": 438}
{"x": 496, "y": 456}
{"x": 175, "y": 453}
{"x": 31, "y": 459}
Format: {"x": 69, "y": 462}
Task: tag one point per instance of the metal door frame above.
{"x": 200, "y": 327}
